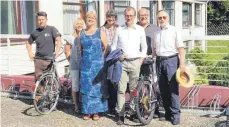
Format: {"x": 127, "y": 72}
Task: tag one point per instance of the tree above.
{"x": 218, "y": 11}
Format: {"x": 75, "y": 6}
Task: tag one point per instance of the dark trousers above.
{"x": 169, "y": 89}
{"x": 112, "y": 100}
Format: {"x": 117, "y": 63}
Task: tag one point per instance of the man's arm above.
{"x": 180, "y": 45}
{"x": 29, "y": 49}
{"x": 143, "y": 45}
{"x": 58, "y": 46}
{"x": 67, "y": 52}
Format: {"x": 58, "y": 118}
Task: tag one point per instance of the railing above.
{"x": 14, "y": 57}
{"x": 210, "y": 54}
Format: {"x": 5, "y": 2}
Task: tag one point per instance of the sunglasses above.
{"x": 160, "y": 18}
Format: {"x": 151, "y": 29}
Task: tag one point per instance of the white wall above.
{"x": 19, "y": 61}
{"x": 54, "y": 10}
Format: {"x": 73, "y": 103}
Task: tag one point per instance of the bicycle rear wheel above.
{"x": 146, "y": 102}
{"x": 46, "y": 94}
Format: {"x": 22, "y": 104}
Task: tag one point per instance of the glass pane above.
{"x": 145, "y": 3}
{"x": 120, "y": 13}
{"x": 18, "y": 22}
{"x": 121, "y": 3}
{"x": 4, "y": 17}
{"x": 169, "y": 7}
{"x": 153, "y": 11}
{"x": 197, "y": 6}
{"x": 168, "y": 4}
{"x": 198, "y": 18}
{"x": 70, "y": 14}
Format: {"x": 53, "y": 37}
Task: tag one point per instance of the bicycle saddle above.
{"x": 148, "y": 61}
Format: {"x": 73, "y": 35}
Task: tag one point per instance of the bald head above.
{"x": 163, "y": 18}
{"x": 143, "y": 15}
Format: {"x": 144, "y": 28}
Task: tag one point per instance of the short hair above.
{"x": 162, "y": 11}
{"x": 130, "y": 8}
{"x": 111, "y": 13}
{"x": 41, "y": 13}
{"x": 79, "y": 20}
{"x": 93, "y": 12}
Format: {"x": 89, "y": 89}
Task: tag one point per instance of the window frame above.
{"x": 168, "y": 10}
{"x": 200, "y": 14}
{"x": 189, "y": 12}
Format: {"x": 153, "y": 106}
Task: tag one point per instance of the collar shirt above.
{"x": 167, "y": 41}
{"x": 132, "y": 41}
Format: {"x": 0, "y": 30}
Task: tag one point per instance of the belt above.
{"x": 131, "y": 59}
{"x": 166, "y": 57}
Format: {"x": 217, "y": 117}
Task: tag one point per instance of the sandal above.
{"x": 96, "y": 117}
{"x": 87, "y": 117}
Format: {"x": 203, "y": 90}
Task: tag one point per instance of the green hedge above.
{"x": 217, "y": 66}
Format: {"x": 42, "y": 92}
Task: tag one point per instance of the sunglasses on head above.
{"x": 160, "y": 18}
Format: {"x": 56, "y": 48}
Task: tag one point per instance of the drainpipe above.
{"x": 101, "y": 12}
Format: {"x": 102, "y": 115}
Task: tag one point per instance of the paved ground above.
{"x": 20, "y": 113}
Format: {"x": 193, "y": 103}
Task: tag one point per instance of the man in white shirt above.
{"x": 131, "y": 38}
{"x": 169, "y": 49}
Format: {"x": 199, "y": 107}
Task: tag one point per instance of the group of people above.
{"x": 86, "y": 51}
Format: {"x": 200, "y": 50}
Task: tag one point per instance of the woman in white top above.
{"x": 74, "y": 57}
{"x": 110, "y": 28}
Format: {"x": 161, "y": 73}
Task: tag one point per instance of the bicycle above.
{"x": 147, "y": 92}
{"x": 47, "y": 89}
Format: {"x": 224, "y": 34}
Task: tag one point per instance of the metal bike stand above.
{"x": 215, "y": 102}
{"x": 192, "y": 97}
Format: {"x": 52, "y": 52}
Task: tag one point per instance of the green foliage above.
{"x": 198, "y": 57}
{"x": 218, "y": 11}
{"x": 219, "y": 70}
{"x": 222, "y": 68}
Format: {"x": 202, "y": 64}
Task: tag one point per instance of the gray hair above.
{"x": 111, "y": 13}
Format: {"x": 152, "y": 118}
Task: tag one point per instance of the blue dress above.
{"x": 91, "y": 78}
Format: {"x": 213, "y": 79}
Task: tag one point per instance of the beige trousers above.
{"x": 130, "y": 70}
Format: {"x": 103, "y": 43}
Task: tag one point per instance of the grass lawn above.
{"x": 216, "y": 49}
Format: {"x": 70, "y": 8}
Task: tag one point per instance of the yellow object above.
{"x": 186, "y": 80}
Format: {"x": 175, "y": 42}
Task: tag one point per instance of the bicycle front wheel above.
{"x": 46, "y": 94}
{"x": 146, "y": 102}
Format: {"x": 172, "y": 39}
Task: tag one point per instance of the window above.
{"x": 74, "y": 9}
{"x": 187, "y": 14}
{"x": 198, "y": 15}
{"x": 169, "y": 7}
{"x": 18, "y": 17}
{"x": 119, "y": 7}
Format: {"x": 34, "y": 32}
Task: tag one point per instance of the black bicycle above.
{"x": 147, "y": 92}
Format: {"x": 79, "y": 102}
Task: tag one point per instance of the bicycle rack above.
{"x": 215, "y": 102}
{"x": 14, "y": 90}
{"x": 193, "y": 97}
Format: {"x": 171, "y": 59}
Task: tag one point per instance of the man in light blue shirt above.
{"x": 131, "y": 38}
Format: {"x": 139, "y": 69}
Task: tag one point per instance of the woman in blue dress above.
{"x": 93, "y": 43}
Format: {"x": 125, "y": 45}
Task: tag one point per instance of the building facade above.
{"x": 19, "y": 17}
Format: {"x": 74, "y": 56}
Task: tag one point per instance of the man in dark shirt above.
{"x": 48, "y": 43}
{"x": 150, "y": 29}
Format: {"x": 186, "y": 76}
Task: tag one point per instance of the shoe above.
{"x": 175, "y": 121}
{"x": 120, "y": 120}
{"x": 164, "y": 118}
{"x": 134, "y": 118}
{"x": 96, "y": 117}
{"x": 86, "y": 117}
